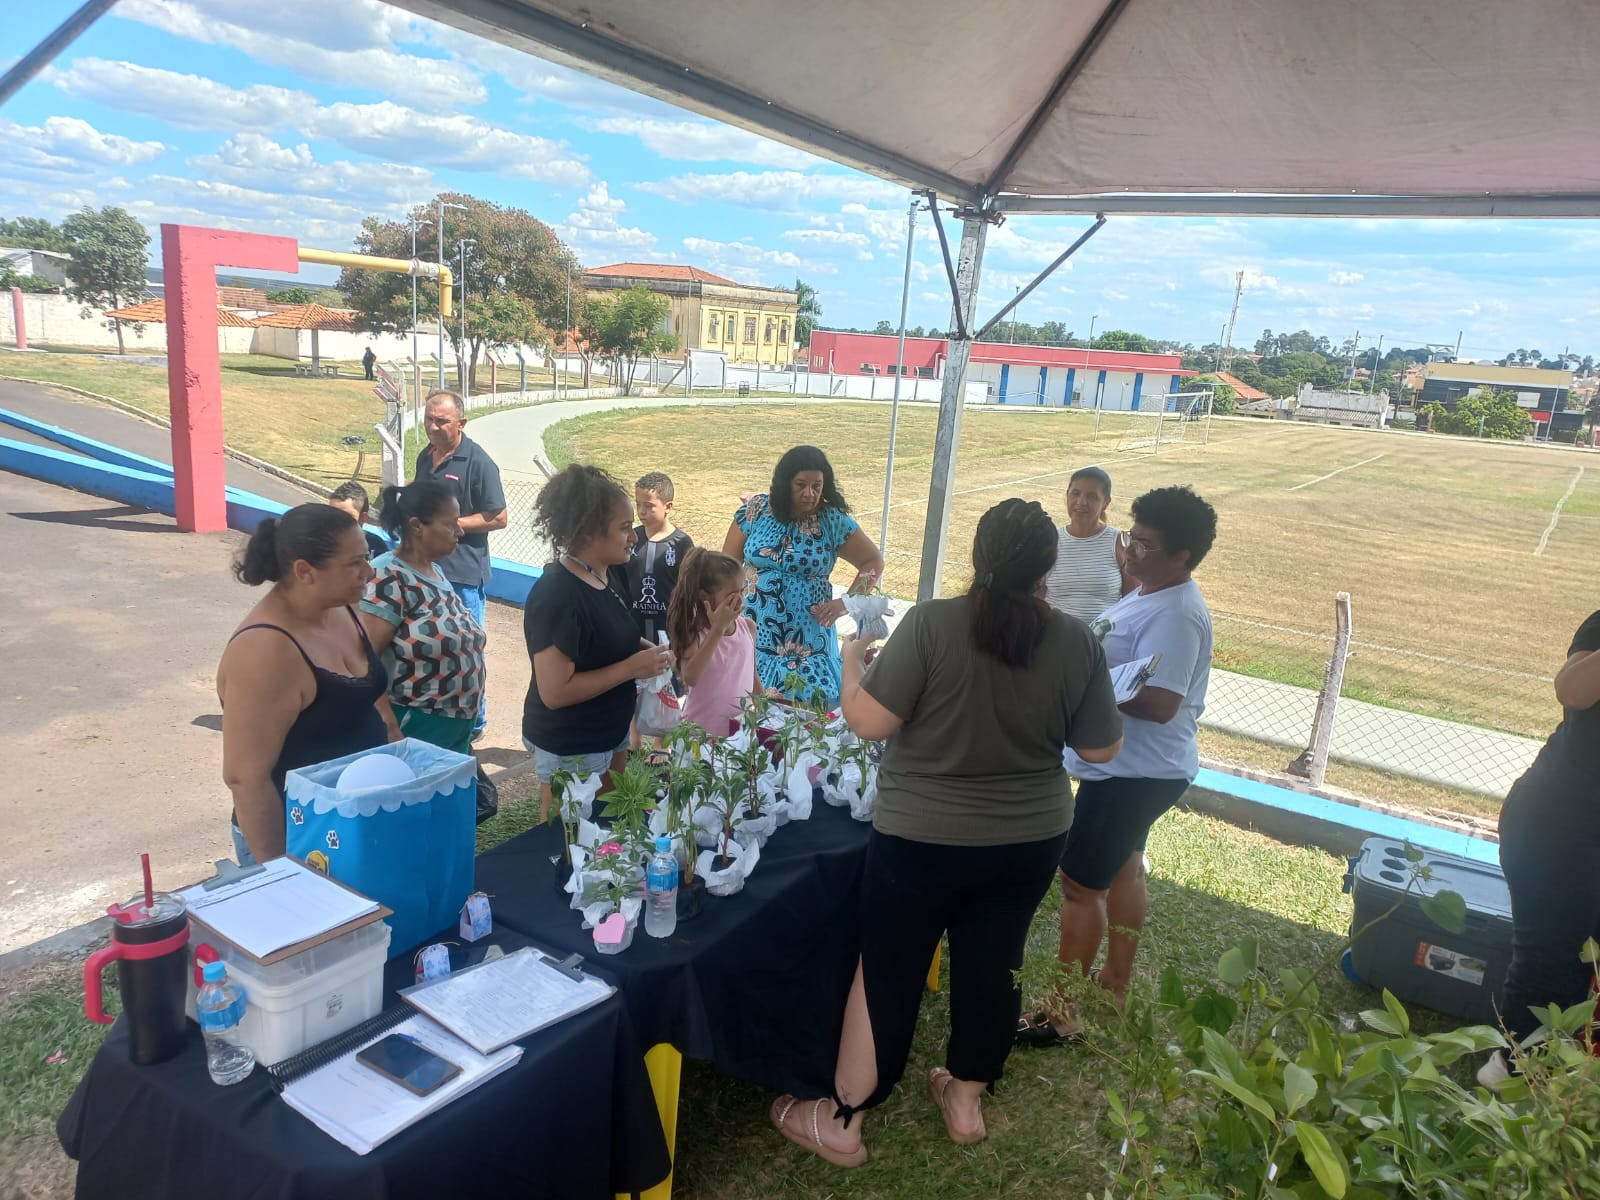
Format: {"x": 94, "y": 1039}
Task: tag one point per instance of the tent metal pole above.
{"x": 1023, "y": 294}
{"x": 959, "y": 322}
{"x": 952, "y": 399}
{"x": 62, "y": 36}
{"x": 899, "y": 373}
{"x": 1236, "y": 204}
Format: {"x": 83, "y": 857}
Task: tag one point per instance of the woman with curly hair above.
{"x": 789, "y": 538}
{"x": 583, "y": 641}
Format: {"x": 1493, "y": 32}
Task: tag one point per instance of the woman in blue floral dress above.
{"x": 789, "y": 539}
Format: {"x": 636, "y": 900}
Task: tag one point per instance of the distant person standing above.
{"x": 368, "y": 361}
{"x": 455, "y": 460}
{"x": 1090, "y": 571}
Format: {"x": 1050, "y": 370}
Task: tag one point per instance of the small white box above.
{"x": 306, "y": 998}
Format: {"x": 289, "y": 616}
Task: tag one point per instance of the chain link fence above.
{"x": 1319, "y": 695}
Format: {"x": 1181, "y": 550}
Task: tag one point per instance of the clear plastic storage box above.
{"x": 306, "y": 997}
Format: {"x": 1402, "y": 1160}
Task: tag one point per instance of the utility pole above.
{"x": 466, "y": 384}
{"x": 566, "y": 336}
{"x": 442, "y": 206}
{"x": 1222, "y": 338}
{"x": 1227, "y": 338}
{"x": 416, "y": 367}
{"x": 1377, "y": 351}
{"x": 899, "y": 372}
{"x": 1013, "y": 319}
{"x": 1354, "y": 346}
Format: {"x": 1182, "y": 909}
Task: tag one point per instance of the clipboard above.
{"x": 301, "y": 946}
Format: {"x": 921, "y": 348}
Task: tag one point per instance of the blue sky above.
{"x": 299, "y": 117}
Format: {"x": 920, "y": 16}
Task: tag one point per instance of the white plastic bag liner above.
{"x": 731, "y": 880}
{"x": 594, "y": 913}
{"x": 707, "y": 824}
{"x": 409, "y": 846}
{"x": 861, "y": 807}
{"x": 756, "y": 830}
{"x": 868, "y": 613}
{"x": 660, "y": 708}
{"x": 798, "y": 786}
{"x": 846, "y": 789}
{"x": 578, "y": 796}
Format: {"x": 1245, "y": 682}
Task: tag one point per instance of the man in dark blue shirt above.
{"x": 455, "y": 460}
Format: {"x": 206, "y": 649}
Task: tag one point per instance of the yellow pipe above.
{"x": 392, "y": 266}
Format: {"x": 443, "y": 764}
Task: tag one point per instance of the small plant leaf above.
{"x": 1171, "y": 988}
{"x": 1326, "y": 1164}
{"x": 1413, "y": 855}
{"x": 1242, "y": 1094}
{"x": 1447, "y": 910}
{"x": 1232, "y": 968}
{"x": 1397, "y": 1011}
{"x": 1590, "y": 952}
{"x": 1299, "y": 1088}
{"x": 1211, "y": 1010}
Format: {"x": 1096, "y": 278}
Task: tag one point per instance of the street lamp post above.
{"x": 1093, "y": 317}
{"x": 443, "y": 204}
{"x": 566, "y": 336}
{"x": 462, "y": 247}
{"x": 416, "y": 367}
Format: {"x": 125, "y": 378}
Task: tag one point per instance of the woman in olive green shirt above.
{"x": 976, "y": 696}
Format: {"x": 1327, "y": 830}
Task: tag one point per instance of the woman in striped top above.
{"x": 1088, "y": 576}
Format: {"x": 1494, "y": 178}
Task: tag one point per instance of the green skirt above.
{"x": 448, "y": 733}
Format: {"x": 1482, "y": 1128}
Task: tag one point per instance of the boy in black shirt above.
{"x": 647, "y": 578}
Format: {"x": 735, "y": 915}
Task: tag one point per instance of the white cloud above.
{"x": 748, "y": 263}
{"x": 254, "y": 161}
{"x": 69, "y": 146}
{"x": 830, "y": 239}
{"x": 350, "y": 44}
{"x": 457, "y": 140}
{"x": 703, "y": 141}
{"x": 183, "y": 101}
{"x": 597, "y": 222}
{"x": 1343, "y": 277}
{"x": 775, "y": 191}
{"x": 1114, "y": 294}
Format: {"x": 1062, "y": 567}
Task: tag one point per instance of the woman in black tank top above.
{"x": 298, "y": 681}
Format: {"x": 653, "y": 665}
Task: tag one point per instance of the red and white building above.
{"x": 1041, "y": 376}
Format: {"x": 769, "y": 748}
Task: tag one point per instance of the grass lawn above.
{"x": 1213, "y": 885}
{"x": 1455, "y": 613}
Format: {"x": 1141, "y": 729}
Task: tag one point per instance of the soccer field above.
{"x": 1469, "y": 563}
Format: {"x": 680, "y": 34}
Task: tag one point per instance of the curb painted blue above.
{"x": 86, "y": 445}
{"x": 123, "y": 484}
{"x": 1296, "y": 817}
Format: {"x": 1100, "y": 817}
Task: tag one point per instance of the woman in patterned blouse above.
{"x": 428, "y": 637}
{"x": 789, "y": 539}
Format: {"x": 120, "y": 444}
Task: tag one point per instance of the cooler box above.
{"x": 1458, "y": 974}
{"x": 316, "y": 994}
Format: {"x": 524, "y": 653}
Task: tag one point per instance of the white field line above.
{"x": 1555, "y": 515}
{"x": 1340, "y": 471}
{"x": 989, "y": 487}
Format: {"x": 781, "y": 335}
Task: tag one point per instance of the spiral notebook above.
{"x": 355, "y": 1105}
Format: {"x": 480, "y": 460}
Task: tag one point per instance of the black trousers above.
{"x": 1552, "y": 868}
{"x": 985, "y": 898}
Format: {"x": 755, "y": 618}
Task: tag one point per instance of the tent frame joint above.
{"x": 1099, "y": 220}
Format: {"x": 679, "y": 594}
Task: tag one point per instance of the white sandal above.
{"x": 814, "y": 1143}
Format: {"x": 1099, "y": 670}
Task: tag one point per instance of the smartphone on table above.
{"x": 408, "y": 1063}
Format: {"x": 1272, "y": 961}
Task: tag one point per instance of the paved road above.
{"x": 126, "y": 431}
{"x": 111, "y": 624}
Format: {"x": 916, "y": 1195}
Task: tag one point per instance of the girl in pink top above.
{"x": 714, "y": 641}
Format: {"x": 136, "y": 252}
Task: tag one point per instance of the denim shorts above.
{"x": 547, "y": 763}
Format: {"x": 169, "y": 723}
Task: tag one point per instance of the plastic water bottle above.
{"x": 661, "y": 891}
{"x": 220, "y": 1009}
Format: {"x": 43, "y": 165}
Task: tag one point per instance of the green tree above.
{"x": 516, "y": 283}
{"x": 32, "y": 233}
{"x": 1121, "y": 339}
{"x": 883, "y": 327}
{"x": 628, "y": 326}
{"x": 1224, "y": 399}
{"x": 294, "y": 295}
{"x": 110, "y": 262}
{"x": 808, "y": 309}
{"x": 1483, "y": 414}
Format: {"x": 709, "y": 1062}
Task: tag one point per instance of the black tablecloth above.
{"x": 756, "y": 983}
{"x": 575, "y": 1118}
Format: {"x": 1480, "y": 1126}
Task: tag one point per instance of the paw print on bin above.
{"x": 297, "y": 815}
{"x": 333, "y": 839}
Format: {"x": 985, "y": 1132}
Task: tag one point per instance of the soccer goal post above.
{"x": 1166, "y": 420}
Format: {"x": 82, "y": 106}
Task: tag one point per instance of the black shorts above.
{"x": 1110, "y": 822}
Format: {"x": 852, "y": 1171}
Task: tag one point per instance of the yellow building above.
{"x": 748, "y": 324}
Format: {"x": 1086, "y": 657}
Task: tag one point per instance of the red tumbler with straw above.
{"x": 149, "y": 944}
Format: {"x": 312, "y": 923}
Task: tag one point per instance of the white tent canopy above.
{"x": 1482, "y": 101}
{"x": 1271, "y": 107}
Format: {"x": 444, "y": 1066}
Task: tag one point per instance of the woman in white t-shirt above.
{"x": 1102, "y": 867}
{"x": 1088, "y": 576}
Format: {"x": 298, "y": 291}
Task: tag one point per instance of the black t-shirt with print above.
{"x": 592, "y": 627}
{"x": 646, "y": 580}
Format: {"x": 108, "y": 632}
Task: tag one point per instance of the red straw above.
{"x": 149, "y": 892}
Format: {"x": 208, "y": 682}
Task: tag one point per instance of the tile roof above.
{"x": 673, "y": 271}
{"x": 156, "y": 311}
{"x": 1241, "y": 389}
{"x": 310, "y": 316}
